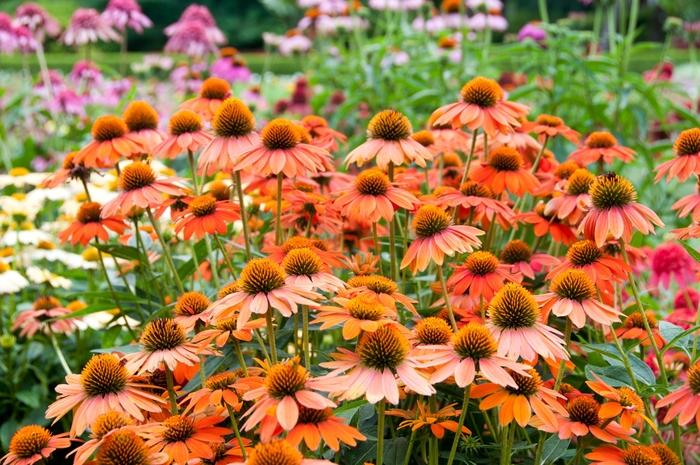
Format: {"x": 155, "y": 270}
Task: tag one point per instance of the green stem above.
{"x": 305, "y": 337}
{"x": 278, "y": 213}
{"x": 508, "y": 434}
{"x": 190, "y": 158}
{"x": 536, "y": 163}
{"x": 544, "y": 14}
{"x": 227, "y": 259}
{"x": 271, "y": 335}
{"x": 59, "y": 353}
{"x": 380, "y": 432}
{"x": 409, "y": 448}
{"x": 562, "y": 363}
{"x": 111, "y": 289}
{"x": 239, "y": 354}
{"x": 445, "y": 295}
{"x": 460, "y": 424}
{"x": 236, "y": 430}
{"x": 171, "y": 390}
{"x": 244, "y": 219}
{"x": 166, "y": 251}
{"x": 392, "y": 233}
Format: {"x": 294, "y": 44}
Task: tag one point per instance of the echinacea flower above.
{"x": 684, "y": 402}
{"x": 620, "y": 401}
{"x": 321, "y": 133}
{"x": 205, "y": 216}
{"x": 201, "y": 15}
{"x": 437, "y": 421}
{"x": 574, "y": 295}
{"x": 142, "y": 120}
{"x": 573, "y": 201}
{"x": 472, "y": 350}
{"x": 381, "y": 360}
{"x": 185, "y": 437}
{"x": 671, "y": 261}
{"x": 276, "y": 253}
{"x": 190, "y": 38}
{"x": 635, "y": 329}
{"x": 190, "y": 309}
{"x": 126, "y": 13}
{"x": 615, "y": 213}
{"x": 687, "y": 160}
{"x": 110, "y": 143}
{"x": 381, "y": 288}
{"x": 37, "y": 20}
{"x": 33, "y": 443}
{"x": 372, "y": 197}
{"x": 363, "y": 313}
{"x": 45, "y": 315}
{"x": 389, "y": 142}
{"x": 476, "y": 201}
{"x": 316, "y": 426}
{"x": 549, "y": 126}
{"x": 632, "y": 455}
{"x": 218, "y": 390}
{"x": 103, "y": 385}
{"x": 516, "y": 321}
{"x": 69, "y": 170}
{"x": 306, "y": 270}
{"x": 141, "y": 188}
{"x": 548, "y": 225}
{"x": 281, "y": 452}
{"x": 436, "y": 237}
{"x": 234, "y": 126}
{"x": 482, "y": 106}
{"x": 89, "y": 224}
{"x": 125, "y": 447}
{"x": 601, "y": 146}
{"x": 504, "y": 171}
{"x": 212, "y": 93}
{"x": 481, "y": 276}
{"x": 87, "y": 26}
{"x": 582, "y": 417}
{"x": 104, "y": 424}
{"x": 185, "y": 133}
{"x": 431, "y": 331}
{"x": 521, "y": 259}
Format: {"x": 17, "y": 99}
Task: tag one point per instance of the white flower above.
{"x": 41, "y": 276}
{"x": 11, "y": 281}
{"x": 103, "y": 320}
{"x": 28, "y": 237}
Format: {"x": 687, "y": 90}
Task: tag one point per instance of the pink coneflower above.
{"x": 321, "y": 133}
{"x": 33, "y": 443}
{"x": 669, "y": 262}
{"x": 381, "y": 288}
{"x": 601, "y": 146}
{"x": 87, "y": 26}
{"x": 276, "y": 253}
{"x": 199, "y": 14}
{"x": 447, "y": 139}
{"x": 66, "y": 101}
{"x": 139, "y": 187}
{"x": 381, "y": 360}
{"x": 689, "y": 205}
{"x": 476, "y": 201}
{"x": 24, "y": 40}
{"x": 35, "y": 319}
{"x": 504, "y": 171}
{"x": 572, "y": 202}
{"x": 583, "y": 418}
{"x": 142, "y": 120}
{"x": 109, "y": 144}
{"x": 549, "y": 126}
{"x": 104, "y": 425}
{"x": 189, "y": 310}
{"x": 37, "y": 20}
{"x": 185, "y": 133}
{"x": 104, "y": 385}
{"x": 481, "y": 276}
{"x": 306, "y": 270}
{"x": 684, "y": 402}
{"x": 212, "y": 93}
{"x": 521, "y": 259}
{"x": 185, "y": 438}
{"x": 190, "y": 38}
{"x": 7, "y": 34}
{"x": 86, "y": 73}
{"x": 126, "y": 13}
{"x": 687, "y": 159}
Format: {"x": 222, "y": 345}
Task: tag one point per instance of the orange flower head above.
{"x": 640, "y": 455}
{"x": 280, "y": 134}
{"x": 505, "y": 158}
{"x": 301, "y": 262}
{"x": 433, "y": 331}
{"x": 203, "y": 205}
{"x": 447, "y": 43}
{"x": 580, "y": 182}
{"x": 583, "y": 253}
{"x": 312, "y": 415}
{"x": 261, "y": 275}
{"x": 29, "y": 440}
{"x": 629, "y": 398}
{"x": 430, "y": 220}
{"x": 687, "y": 143}
{"x": 375, "y": 283}
{"x": 514, "y": 307}
{"x": 566, "y": 169}
{"x": 610, "y": 191}
{"x": 451, "y": 160}
{"x": 276, "y": 452}
{"x": 600, "y": 140}
{"x": 516, "y": 251}
{"x": 450, "y": 6}
{"x": 665, "y": 454}
{"x": 191, "y": 303}
{"x": 693, "y": 377}
{"x": 219, "y": 190}
{"x": 108, "y": 127}
{"x": 233, "y": 119}
{"x": 46, "y": 302}
{"x": 474, "y": 341}
{"x": 300, "y": 242}
{"x": 286, "y": 378}
{"x": 214, "y": 88}
{"x": 140, "y": 115}
{"x": 372, "y": 182}
{"x": 136, "y": 176}
{"x": 635, "y": 320}
{"x": 384, "y": 348}
{"x": 389, "y": 125}
{"x": 574, "y": 285}
{"x": 108, "y": 422}
{"x": 178, "y": 428}
{"x": 103, "y": 374}
{"x": 314, "y": 121}
{"x": 527, "y": 386}
{"x": 229, "y": 288}
{"x": 482, "y": 92}
{"x": 481, "y": 263}
{"x": 475, "y": 189}
{"x": 364, "y": 307}
{"x": 584, "y": 409}
{"x": 424, "y": 138}
{"x": 221, "y": 381}
{"x": 183, "y": 122}
{"x": 89, "y": 212}
{"x": 162, "y": 334}
{"x": 549, "y": 120}
{"x": 123, "y": 447}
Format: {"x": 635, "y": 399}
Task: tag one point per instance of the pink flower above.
{"x": 24, "y": 40}
{"x": 86, "y": 72}
{"x": 199, "y": 14}
{"x": 37, "y": 20}
{"x": 671, "y": 261}
{"x": 7, "y": 34}
{"x": 126, "y": 13}
{"x": 190, "y": 38}
{"x": 67, "y": 102}
{"x": 87, "y": 26}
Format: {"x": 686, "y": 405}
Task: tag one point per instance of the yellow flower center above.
{"x": 635, "y": 320}
{"x": 227, "y": 324}
{"x": 574, "y": 285}
{"x": 384, "y": 348}
{"x": 68, "y": 161}
{"x": 424, "y": 138}
{"x": 18, "y": 171}
{"x": 276, "y": 452}
{"x": 600, "y": 140}
{"x": 665, "y": 454}
{"x": 389, "y": 125}
{"x": 46, "y": 302}
{"x": 280, "y": 134}
{"x": 4, "y": 267}
{"x": 214, "y": 88}
{"x": 300, "y": 242}
{"x": 527, "y": 386}
{"x": 219, "y": 190}
{"x": 566, "y": 169}
{"x": 688, "y": 142}
{"x": 640, "y": 455}
{"x": 89, "y": 212}
{"x": 29, "y": 440}
{"x": 184, "y": 121}
{"x": 433, "y": 330}
{"x": 516, "y": 251}
{"x": 513, "y": 307}
{"x": 430, "y": 220}
{"x": 162, "y": 334}
{"x": 583, "y": 253}
{"x": 694, "y": 378}
{"x": 505, "y": 158}
{"x": 233, "y": 119}
{"x": 481, "y": 263}
{"x": 261, "y": 275}
{"x": 474, "y": 341}
{"x": 365, "y": 308}
{"x": 314, "y": 121}
{"x": 610, "y": 191}
{"x": 140, "y": 115}
{"x": 229, "y": 288}
{"x": 103, "y": 374}
{"x": 286, "y": 378}
{"x": 136, "y": 176}
{"x": 375, "y": 283}
{"x": 549, "y": 120}
{"x": 313, "y": 416}
{"x": 191, "y": 303}
{"x": 372, "y": 182}
{"x": 629, "y": 398}
{"x": 108, "y": 422}
{"x": 301, "y": 262}
{"x": 221, "y": 381}
{"x": 482, "y": 92}
{"x": 475, "y": 189}
{"x": 108, "y": 127}
{"x": 203, "y": 205}
{"x": 580, "y": 182}
{"x": 178, "y": 428}
{"x": 584, "y": 409}
{"x": 123, "y": 448}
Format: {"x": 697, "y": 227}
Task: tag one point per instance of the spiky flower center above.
{"x": 203, "y": 205}
{"x": 226, "y": 324}
{"x": 694, "y": 378}
{"x": 516, "y": 251}
{"x": 635, "y": 320}
{"x": 191, "y": 303}
{"x": 140, "y": 115}
{"x": 505, "y": 158}
{"x": 433, "y": 330}
{"x": 566, "y": 169}
{"x": 600, "y": 140}
{"x": 221, "y": 381}
{"x": 68, "y": 161}
{"x": 629, "y": 398}
{"x": 233, "y": 119}
{"x": 229, "y": 288}
{"x": 513, "y": 307}
{"x": 372, "y": 182}
{"x": 389, "y": 125}
{"x": 276, "y": 452}
{"x": 549, "y": 121}
{"x": 482, "y": 92}
{"x": 474, "y": 341}
{"x": 688, "y": 142}
{"x": 584, "y": 409}
{"x": 178, "y": 428}
{"x": 122, "y": 447}
{"x": 46, "y": 302}
{"x": 286, "y": 378}
{"x": 375, "y": 283}
{"x": 261, "y": 275}
{"x": 481, "y": 263}
{"x": 219, "y": 190}
{"x": 108, "y": 422}
{"x": 298, "y": 242}
{"x": 430, "y": 220}
{"x": 214, "y": 88}
{"x": 580, "y": 182}
{"x": 665, "y": 454}
{"x": 312, "y": 415}
{"x": 384, "y": 348}
{"x": 108, "y": 127}
{"x": 527, "y": 386}
{"x": 640, "y": 455}
{"x": 183, "y": 122}
{"x": 314, "y": 121}
{"x": 89, "y": 212}
{"x": 29, "y": 440}
{"x": 103, "y": 374}
{"x": 424, "y": 138}
{"x": 162, "y": 334}
{"x": 574, "y": 285}
{"x": 583, "y": 253}
{"x": 475, "y": 189}
{"x": 280, "y": 134}
{"x": 365, "y": 307}
{"x": 301, "y": 262}
{"x": 610, "y": 191}
{"x": 136, "y": 176}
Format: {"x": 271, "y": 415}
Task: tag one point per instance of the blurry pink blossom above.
{"x": 126, "y": 13}
{"x": 7, "y": 34}
{"x": 86, "y": 72}
{"x": 202, "y": 15}
{"x": 37, "y": 20}
{"x": 65, "y": 101}
{"x": 190, "y": 38}
{"x": 87, "y": 26}
{"x": 672, "y": 262}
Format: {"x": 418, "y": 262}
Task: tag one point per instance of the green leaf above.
{"x": 693, "y": 253}
{"x": 29, "y": 397}
{"x": 554, "y": 449}
{"x": 675, "y": 336}
{"x": 120, "y": 250}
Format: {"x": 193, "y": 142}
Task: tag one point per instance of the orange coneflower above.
{"x": 105, "y": 424}
{"x": 615, "y": 212}
{"x": 574, "y": 295}
{"x": 446, "y": 139}
{"x": 687, "y": 159}
{"x": 262, "y": 287}
{"x": 548, "y": 225}
{"x": 482, "y": 105}
{"x": 381, "y": 288}
{"x": 33, "y": 443}
{"x": 601, "y": 146}
{"x": 69, "y": 170}
{"x": 634, "y": 328}
{"x": 184, "y": 437}
{"x": 684, "y": 402}
{"x": 582, "y": 417}
{"x": 572, "y": 202}
{"x": 89, "y": 224}
{"x": 212, "y": 93}
{"x": 320, "y": 425}
{"x": 124, "y": 446}
{"x": 381, "y": 359}
{"x": 47, "y": 314}
{"x": 279, "y": 451}
{"x": 185, "y": 133}
{"x": 363, "y": 313}
{"x": 310, "y": 211}
{"x": 481, "y": 276}
{"x": 689, "y": 204}
{"x": 421, "y": 417}
{"x": 224, "y": 453}
{"x": 190, "y": 309}
{"x": 227, "y": 328}
{"x": 521, "y": 259}
{"x": 548, "y": 126}
{"x": 437, "y": 237}
{"x": 205, "y": 215}
{"x": 470, "y": 351}
{"x": 306, "y": 270}
{"x": 519, "y": 139}
{"x": 476, "y": 201}
{"x": 432, "y": 331}
{"x": 389, "y": 142}
{"x": 516, "y": 321}
{"x": 219, "y": 390}
{"x": 504, "y": 171}
{"x": 140, "y": 188}
{"x": 322, "y": 135}
{"x": 110, "y": 142}
{"x": 277, "y": 253}
{"x": 142, "y": 120}
{"x": 621, "y": 401}
{"x": 163, "y": 341}
{"x": 234, "y": 129}
{"x": 372, "y": 197}
{"x": 632, "y": 455}
{"x": 103, "y": 385}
